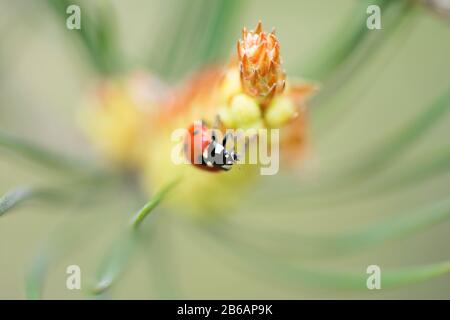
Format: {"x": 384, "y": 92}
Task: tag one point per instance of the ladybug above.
{"x": 204, "y": 151}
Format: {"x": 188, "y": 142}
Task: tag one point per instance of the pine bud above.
{"x": 260, "y": 64}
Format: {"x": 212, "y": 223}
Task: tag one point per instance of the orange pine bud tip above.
{"x": 261, "y": 72}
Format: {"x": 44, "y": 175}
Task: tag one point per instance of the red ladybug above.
{"x": 204, "y": 152}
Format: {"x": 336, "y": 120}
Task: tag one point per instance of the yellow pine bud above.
{"x": 226, "y": 117}
{"x": 280, "y": 111}
{"x": 244, "y": 110}
{"x": 231, "y": 85}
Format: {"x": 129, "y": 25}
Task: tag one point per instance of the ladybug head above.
{"x": 217, "y": 156}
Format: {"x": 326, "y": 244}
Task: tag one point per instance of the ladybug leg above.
{"x": 217, "y": 122}
{"x": 231, "y": 153}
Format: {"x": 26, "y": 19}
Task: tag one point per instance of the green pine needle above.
{"x": 13, "y": 198}
{"x": 296, "y": 274}
{"x": 42, "y": 156}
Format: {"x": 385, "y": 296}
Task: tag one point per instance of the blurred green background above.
{"x": 43, "y": 74}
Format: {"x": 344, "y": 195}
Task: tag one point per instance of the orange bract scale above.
{"x": 197, "y": 90}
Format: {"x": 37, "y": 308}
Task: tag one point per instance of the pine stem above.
{"x": 137, "y": 219}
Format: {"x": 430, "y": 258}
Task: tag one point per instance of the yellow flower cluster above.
{"x": 115, "y": 117}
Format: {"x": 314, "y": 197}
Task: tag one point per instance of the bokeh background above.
{"x": 390, "y": 80}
